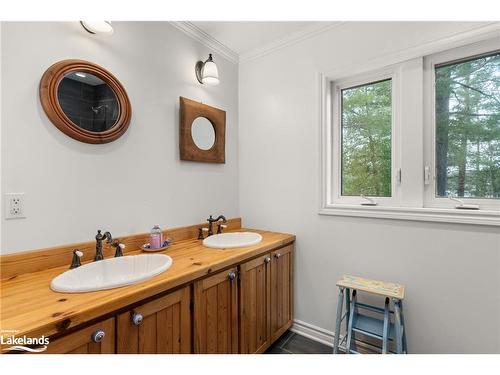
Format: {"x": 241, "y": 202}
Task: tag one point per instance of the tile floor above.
{"x": 291, "y": 343}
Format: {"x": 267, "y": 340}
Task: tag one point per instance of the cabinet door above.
{"x": 96, "y": 339}
{"x": 160, "y": 326}
{"x": 281, "y": 291}
{"x": 255, "y": 301}
{"x": 216, "y": 313}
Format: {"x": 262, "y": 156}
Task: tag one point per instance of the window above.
{"x": 467, "y": 105}
{"x": 366, "y": 139}
{"x": 399, "y": 142}
{"x": 364, "y": 131}
{"x": 463, "y": 119}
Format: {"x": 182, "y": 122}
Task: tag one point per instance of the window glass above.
{"x": 467, "y": 105}
{"x": 366, "y": 112}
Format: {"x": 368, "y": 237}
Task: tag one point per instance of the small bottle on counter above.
{"x": 156, "y": 237}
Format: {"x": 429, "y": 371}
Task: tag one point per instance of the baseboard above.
{"x": 313, "y": 332}
{"x": 326, "y": 337}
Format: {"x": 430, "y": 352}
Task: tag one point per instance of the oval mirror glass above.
{"x": 203, "y": 133}
{"x": 88, "y": 101}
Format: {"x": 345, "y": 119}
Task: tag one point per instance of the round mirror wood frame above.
{"x": 48, "y": 96}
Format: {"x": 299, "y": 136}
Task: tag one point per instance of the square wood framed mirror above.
{"x": 202, "y": 135}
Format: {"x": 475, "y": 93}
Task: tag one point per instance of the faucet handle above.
{"x": 75, "y": 262}
{"x": 118, "y": 248}
{"x": 220, "y": 227}
{"x": 201, "y": 232}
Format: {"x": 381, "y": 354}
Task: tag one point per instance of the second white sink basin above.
{"x": 111, "y": 273}
{"x": 232, "y": 240}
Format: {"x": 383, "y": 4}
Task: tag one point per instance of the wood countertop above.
{"x": 29, "y": 307}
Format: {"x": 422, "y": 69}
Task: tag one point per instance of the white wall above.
{"x": 126, "y": 186}
{"x": 452, "y": 272}
{"x": 72, "y": 189}
{"x": 1, "y": 191}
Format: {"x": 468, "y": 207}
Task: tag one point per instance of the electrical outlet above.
{"x": 14, "y": 206}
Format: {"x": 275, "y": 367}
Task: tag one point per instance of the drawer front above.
{"x": 96, "y": 339}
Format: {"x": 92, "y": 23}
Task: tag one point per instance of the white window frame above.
{"x": 412, "y": 129}
{"x": 430, "y": 63}
{"x": 391, "y": 73}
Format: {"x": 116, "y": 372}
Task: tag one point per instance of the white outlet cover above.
{"x": 14, "y": 206}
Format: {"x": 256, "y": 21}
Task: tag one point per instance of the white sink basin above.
{"x": 111, "y": 273}
{"x": 231, "y": 240}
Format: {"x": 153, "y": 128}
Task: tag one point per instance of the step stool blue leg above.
{"x": 340, "y": 301}
{"x": 397, "y": 324}
{"x": 386, "y": 327}
{"x": 347, "y": 307}
{"x": 354, "y": 345}
{"x": 405, "y": 346}
{"x": 351, "y": 319}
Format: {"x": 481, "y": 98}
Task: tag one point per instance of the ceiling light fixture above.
{"x": 82, "y": 75}
{"x": 98, "y": 27}
{"x": 206, "y": 72}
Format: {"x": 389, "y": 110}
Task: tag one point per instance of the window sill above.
{"x": 443, "y": 215}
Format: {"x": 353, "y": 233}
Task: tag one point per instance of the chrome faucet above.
{"x": 211, "y": 220}
{"x": 98, "y": 243}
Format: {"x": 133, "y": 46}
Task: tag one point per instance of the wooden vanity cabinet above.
{"x": 255, "y": 299}
{"x": 95, "y": 339}
{"x": 216, "y": 313}
{"x": 266, "y": 304}
{"x": 240, "y": 310}
{"x": 159, "y": 326}
{"x": 243, "y": 309}
{"x": 281, "y": 291}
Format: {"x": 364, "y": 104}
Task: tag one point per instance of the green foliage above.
{"x": 366, "y": 140}
{"x": 468, "y": 128}
{"x": 467, "y": 132}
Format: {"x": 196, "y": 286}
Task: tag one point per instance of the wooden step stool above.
{"x": 381, "y": 329}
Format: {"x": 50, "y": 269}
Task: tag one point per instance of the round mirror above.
{"x": 85, "y": 101}
{"x": 88, "y": 101}
{"x": 203, "y": 133}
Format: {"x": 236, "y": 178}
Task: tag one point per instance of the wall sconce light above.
{"x": 206, "y": 72}
{"x": 98, "y": 27}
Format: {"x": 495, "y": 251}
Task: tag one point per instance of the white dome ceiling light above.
{"x": 98, "y": 27}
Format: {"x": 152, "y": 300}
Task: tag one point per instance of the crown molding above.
{"x": 476, "y": 34}
{"x": 491, "y": 28}
{"x": 289, "y": 40}
{"x": 207, "y": 40}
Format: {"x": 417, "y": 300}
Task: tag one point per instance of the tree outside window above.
{"x": 366, "y": 113}
{"x": 467, "y": 104}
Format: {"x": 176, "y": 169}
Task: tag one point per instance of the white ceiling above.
{"x": 246, "y": 37}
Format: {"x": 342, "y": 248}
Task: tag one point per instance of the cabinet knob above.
{"x": 98, "y": 335}
{"x": 137, "y": 319}
{"x": 231, "y": 275}
{"x": 267, "y": 260}
{"x": 277, "y": 255}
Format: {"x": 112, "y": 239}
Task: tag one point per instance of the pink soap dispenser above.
{"x": 156, "y": 237}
